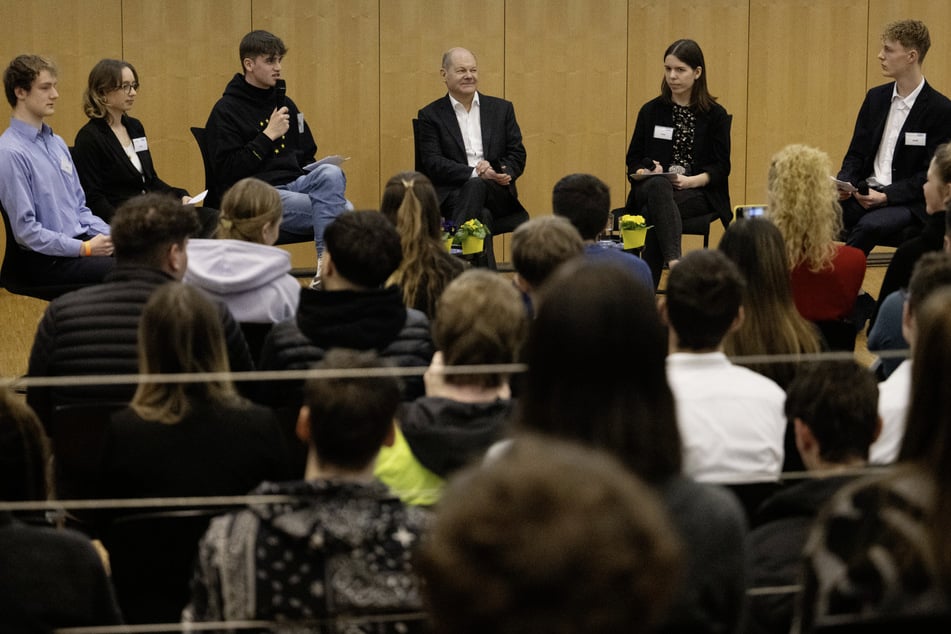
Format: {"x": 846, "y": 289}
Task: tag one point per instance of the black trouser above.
{"x": 664, "y": 208}
{"x": 483, "y": 200}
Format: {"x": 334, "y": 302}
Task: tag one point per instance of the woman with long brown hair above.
{"x": 410, "y": 202}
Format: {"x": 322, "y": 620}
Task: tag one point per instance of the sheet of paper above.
{"x": 333, "y": 159}
{"x": 197, "y": 198}
{"x": 843, "y": 186}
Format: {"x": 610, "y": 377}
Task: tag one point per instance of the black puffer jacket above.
{"x": 95, "y": 331}
{"x": 362, "y": 320}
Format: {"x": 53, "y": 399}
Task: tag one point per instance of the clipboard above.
{"x": 640, "y": 177}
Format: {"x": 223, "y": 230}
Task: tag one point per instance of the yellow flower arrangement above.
{"x": 634, "y": 222}
{"x": 471, "y": 228}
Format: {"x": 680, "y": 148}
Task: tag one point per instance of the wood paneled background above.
{"x": 790, "y": 71}
{"x": 577, "y": 71}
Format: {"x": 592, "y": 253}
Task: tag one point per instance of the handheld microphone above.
{"x": 280, "y": 93}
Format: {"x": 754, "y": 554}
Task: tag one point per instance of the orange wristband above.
{"x": 87, "y": 248}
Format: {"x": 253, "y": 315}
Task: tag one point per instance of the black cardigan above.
{"x": 107, "y": 175}
{"x": 711, "y": 149}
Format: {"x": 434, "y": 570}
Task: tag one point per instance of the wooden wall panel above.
{"x": 332, "y": 70}
{"x": 184, "y": 64}
{"x": 75, "y": 34}
{"x": 805, "y": 84}
{"x": 565, "y": 73}
{"x": 935, "y": 15}
{"x": 413, "y": 36}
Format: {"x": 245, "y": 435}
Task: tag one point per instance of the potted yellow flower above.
{"x": 471, "y": 236}
{"x": 633, "y": 231}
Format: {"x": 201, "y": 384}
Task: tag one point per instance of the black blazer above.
{"x": 107, "y": 175}
{"x": 443, "y": 152}
{"x": 711, "y": 149}
{"x": 930, "y": 115}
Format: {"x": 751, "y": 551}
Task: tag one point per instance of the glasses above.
{"x": 128, "y": 88}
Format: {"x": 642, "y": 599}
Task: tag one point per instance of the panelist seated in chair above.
{"x": 897, "y": 130}
{"x": 63, "y": 241}
{"x": 470, "y": 146}
{"x": 256, "y": 130}
{"x": 111, "y": 151}
{"x": 685, "y": 133}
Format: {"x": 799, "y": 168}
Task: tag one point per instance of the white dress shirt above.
{"x": 470, "y": 124}
{"x": 893, "y": 396}
{"x": 731, "y": 419}
{"x": 897, "y": 115}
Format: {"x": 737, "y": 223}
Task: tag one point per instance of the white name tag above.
{"x": 916, "y": 138}
{"x": 663, "y": 132}
{"x": 300, "y": 123}
{"x": 65, "y": 164}
{"x": 140, "y": 144}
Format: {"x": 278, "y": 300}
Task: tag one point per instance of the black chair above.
{"x": 213, "y": 199}
{"x": 752, "y": 494}
{"x": 15, "y": 262}
{"x": 152, "y": 555}
{"x": 255, "y": 334}
{"x": 78, "y": 433}
{"x": 934, "y": 623}
{"x": 839, "y": 334}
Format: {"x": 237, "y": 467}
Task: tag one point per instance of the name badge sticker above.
{"x": 663, "y": 132}
{"x": 65, "y": 164}
{"x": 140, "y": 144}
{"x": 300, "y": 123}
{"x": 916, "y": 138}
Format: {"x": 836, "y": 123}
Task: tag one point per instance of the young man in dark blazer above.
{"x": 897, "y": 130}
{"x": 470, "y": 146}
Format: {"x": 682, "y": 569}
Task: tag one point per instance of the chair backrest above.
{"x": 839, "y": 334}
{"x": 15, "y": 263}
{"x": 152, "y": 555}
{"x": 213, "y": 199}
{"x": 255, "y": 334}
{"x": 417, "y": 162}
{"x": 78, "y": 433}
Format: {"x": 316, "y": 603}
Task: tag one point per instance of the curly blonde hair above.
{"x": 803, "y": 203}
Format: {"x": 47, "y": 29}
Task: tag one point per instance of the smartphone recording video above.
{"x": 749, "y": 211}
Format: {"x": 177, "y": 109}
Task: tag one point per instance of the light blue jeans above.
{"x": 313, "y": 201}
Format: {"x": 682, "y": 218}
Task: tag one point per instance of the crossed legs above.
{"x": 313, "y": 201}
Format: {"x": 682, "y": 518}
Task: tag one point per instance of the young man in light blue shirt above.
{"x": 62, "y": 240}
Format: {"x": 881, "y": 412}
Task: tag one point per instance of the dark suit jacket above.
{"x": 107, "y": 175}
{"x": 711, "y": 149}
{"x": 443, "y": 152}
{"x": 930, "y": 115}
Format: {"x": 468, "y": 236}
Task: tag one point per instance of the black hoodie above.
{"x": 237, "y": 143}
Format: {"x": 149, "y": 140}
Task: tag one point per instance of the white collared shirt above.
{"x": 894, "y": 394}
{"x": 731, "y": 420}
{"x": 470, "y": 124}
{"x": 897, "y": 115}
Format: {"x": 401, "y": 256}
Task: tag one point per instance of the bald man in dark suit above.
{"x": 470, "y": 147}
